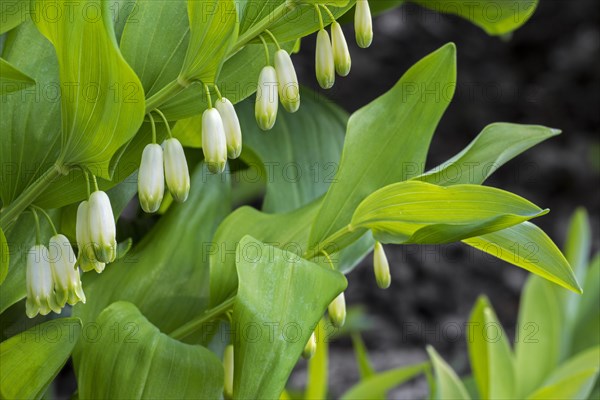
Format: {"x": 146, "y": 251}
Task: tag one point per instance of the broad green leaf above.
{"x": 12, "y": 79}
{"x": 105, "y": 108}
{"x": 493, "y": 147}
{"x": 387, "y": 140}
{"x": 494, "y": 17}
{"x": 527, "y": 246}
{"x": 134, "y": 360}
{"x": 490, "y": 354}
{"x": 538, "y": 338}
{"x": 572, "y": 380}
{"x": 419, "y": 212}
{"x": 32, "y": 359}
{"x": 280, "y": 291}
{"x": 13, "y": 13}
{"x": 586, "y": 325}
{"x": 318, "y": 365}
{"x": 448, "y": 385}
{"x": 4, "y": 256}
{"x": 377, "y": 386}
{"x": 365, "y": 368}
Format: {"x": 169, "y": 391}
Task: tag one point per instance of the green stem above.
{"x": 87, "y": 180}
{"x": 218, "y": 92}
{"x": 37, "y": 226}
{"x": 29, "y": 195}
{"x": 262, "y": 39}
{"x": 193, "y": 325}
{"x": 318, "y": 249}
{"x": 208, "y": 98}
{"x": 165, "y": 121}
{"x": 96, "y": 188}
{"x": 320, "y": 17}
{"x": 153, "y": 126}
{"x": 268, "y": 32}
{"x": 328, "y": 12}
{"x": 47, "y": 218}
{"x": 163, "y": 95}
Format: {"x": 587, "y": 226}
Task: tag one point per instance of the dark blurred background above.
{"x": 547, "y": 73}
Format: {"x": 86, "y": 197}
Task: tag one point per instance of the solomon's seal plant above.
{"x": 138, "y": 87}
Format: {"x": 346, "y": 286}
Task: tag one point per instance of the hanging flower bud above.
{"x": 214, "y": 144}
{"x": 363, "y": 25}
{"x": 151, "y": 178}
{"x": 265, "y": 109}
{"x": 381, "y": 267}
{"x": 337, "y": 311}
{"x": 289, "y": 90}
{"x": 228, "y": 367}
{"x": 341, "y": 55}
{"x": 176, "y": 170}
{"x": 86, "y": 257}
{"x": 102, "y": 227}
{"x": 310, "y": 347}
{"x": 40, "y": 295}
{"x": 67, "y": 284}
{"x": 324, "y": 64}
{"x": 231, "y": 123}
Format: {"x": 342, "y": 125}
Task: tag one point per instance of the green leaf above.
{"x": 387, "y": 140}
{"x": 497, "y": 144}
{"x": 32, "y": 359}
{"x": 318, "y": 372}
{"x": 137, "y": 361}
{"x": 103, "y": 111}
{"x": 490, "y": 354}
{"x": 586, "y": 325}
{"x": 419, "y": 212}
{"x": 280, "y": 291}
{"x": 377, "y": 386}
{"x": 13, "y": 13}
{"x": 4, "y": 256}
{"x": 494, "y": 17}
{"x": 572, "y": 380}
{"x": 527, "y": 246}
{"x": 11, "y": 79}
{"x": 362, "y": 358}
{"x": 448, "y": 385}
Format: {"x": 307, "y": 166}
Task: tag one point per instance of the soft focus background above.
{"x": 548, "y": 73}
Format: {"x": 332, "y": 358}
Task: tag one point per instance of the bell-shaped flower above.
{"x": 86, "y": 256}
{"x": 40, "y": 288}
{"x": 310, "y": 347}
{"x": 341, "y": 54}
{"x": 177, "y": 174}
{"x": 103, "y": 232}
{"x": 363, "y": 24}
{"x": 231, "y": 123}
{"x": 151, "y": 178}
{"x": 337, "y": 311}
{"x": 381, "y": 267}
{"x": 67, "y": 283}
{"x": 228, "y": 369}
{"x": 214, "y": 142}
{"x": 289, "y": 89}
{"x": 267, "y": 98}
{"x": 324, "y": 65}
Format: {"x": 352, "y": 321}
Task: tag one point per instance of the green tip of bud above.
{"x": 363, "y": 24}
{"x": 381, "y": 267}
{"x": 310, "y": 348}
{"x": 337, "y": 311}
{"x": 324, "y": 63}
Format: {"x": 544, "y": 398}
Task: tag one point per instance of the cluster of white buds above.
{"x": 381, "y": 267}
{"x": 332, "y": 55}
{"x": 221, "y": 135}
{"x": 159, "y": 164}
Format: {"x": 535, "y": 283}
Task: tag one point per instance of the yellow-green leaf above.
{"x": 448, "y": 384}
{"x": 12, "y": 79}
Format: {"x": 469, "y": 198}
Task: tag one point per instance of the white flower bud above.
{"x": 151, "y": 178}
{"x": 381, "y": 267}
{"x": 228, "y": 368}
{"x": 86, "y": 256}
{"x": 176, "y": 170}
{"x": 363, "y": 24}
{"x": 103, "y": 232}
{"x": 341, "y": 55}
{"x": 289, "y": 89}
{"x": 231, "y": 123}
{"x": 214, "y": 143}
{"x": 310, "y": 347}
{"x": 40, "y": 294}
{"x": 324, "y": 65}
{"x": 265, "y": 109}
{"x": 67, "y": 283}
{"x": 337, "y": 311}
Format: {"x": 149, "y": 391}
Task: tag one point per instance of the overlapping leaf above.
{"x": 448, "y": 385}
{"x": 11, "y": 79}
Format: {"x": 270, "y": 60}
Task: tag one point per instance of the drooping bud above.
{"x": 363, "y": 24}
{"x": 67, "y": 283}
{"x": 324, "y": 65}
{"x": 289, "y": 89}
{"x": 381, "y": 267}
{"x": 103, "y": 231}
{"x": 231, "y": 123}
{"x": 177, "y": 174}
{"x": 228, "y": 367}
{"x": 151, "y": 178}
{"x": 86, "y": 257}
{"x": 310, "y": 347}
{"x": 265, "y": 109}
{"x": 341, "y": 54}
{"x": 40, "y": 294}
{"x": 214, "y": 143}
{"x": 337, "y": 311}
